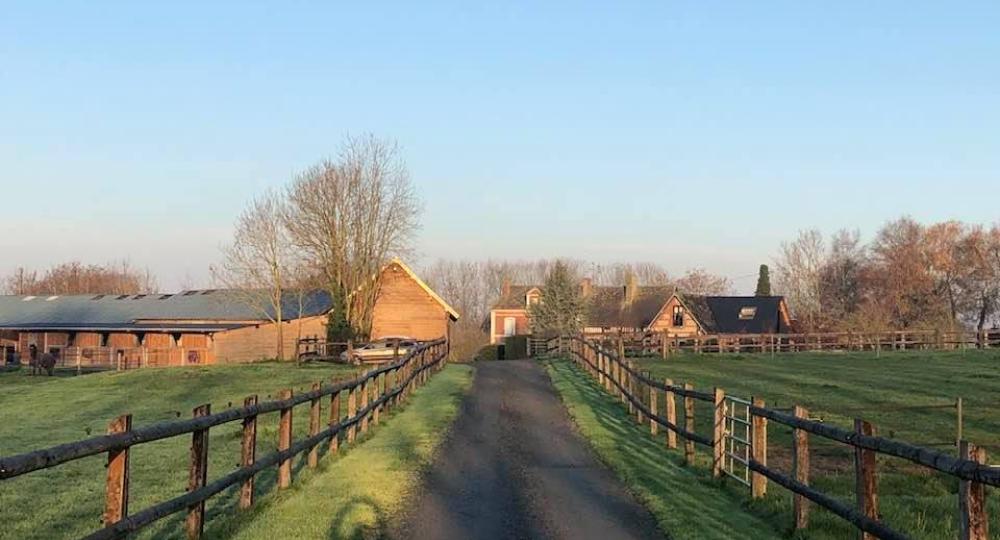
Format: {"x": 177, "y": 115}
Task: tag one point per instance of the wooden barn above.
{"x": 634, "y": 308}
{"x": 202, "y": 326}
{"x": 406, "y": 307}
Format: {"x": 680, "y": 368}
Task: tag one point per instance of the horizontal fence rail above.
{"x": 368, "y": 395}
{"x": 638, "y": 392}
{"x": 666, "y": 342}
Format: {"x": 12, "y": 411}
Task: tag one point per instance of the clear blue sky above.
{"x": 689, "y": 134}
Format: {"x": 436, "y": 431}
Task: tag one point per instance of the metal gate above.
{"x": 737, "y": 439}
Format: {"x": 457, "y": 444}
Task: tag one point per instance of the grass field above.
{"x": 907, "y": 395}
{"x": 357, "y": 494}
{"x": 67, "y": 501}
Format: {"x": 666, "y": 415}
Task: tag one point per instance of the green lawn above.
{"x": 67, "y": 501}
{"x": 686, "y": 502}
{"x": 357, "y": 494}
{"x": 907, "y": 395}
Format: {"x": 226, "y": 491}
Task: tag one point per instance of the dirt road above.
{"x": 513, "y": 467}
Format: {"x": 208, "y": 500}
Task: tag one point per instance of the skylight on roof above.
{"x": 27, "y": 298}
{"x": 748, "y": 312}
{"x": 51, "y": 298}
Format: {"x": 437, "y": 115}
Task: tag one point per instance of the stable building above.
{"x": 213, "y": 326}
{"x": 189, "y": 328}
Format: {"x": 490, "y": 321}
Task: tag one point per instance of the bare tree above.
{"x": 258, "y": 265}
{"x": 701, "y": 281}
{"x": 78, "y": 278}
{"x": 350, "y": 216}
{"x": 979, "y": 284}
{"x": 798, "y": 268}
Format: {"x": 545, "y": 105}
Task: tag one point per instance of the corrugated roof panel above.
{"x": 105, "y": 310}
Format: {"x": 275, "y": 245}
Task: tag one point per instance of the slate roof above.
{"x": 721, "y": 314}
{"x": 204, "y": 310}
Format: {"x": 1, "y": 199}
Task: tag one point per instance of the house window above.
{"x": 678, "y": 316}
{"x": 509, "y": 326}
{"x": 747, "y": 313}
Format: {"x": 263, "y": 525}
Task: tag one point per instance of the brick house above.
{"x": 635, "y": 308}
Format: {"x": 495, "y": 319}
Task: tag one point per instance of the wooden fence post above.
{"x": 654, "y": 428}
{"x": 334, "y": 419}
{"x": 248, "y": 453}
{"x": 352, "y": 410}
{"x": 688, "y": 425}
{"x": 719, "y": 432}
{"x": 377, "y": 413}
{"x": 285, "y": 441}
{"x": 665, "y": 346}
{"x": 800, "y": 469}
{"x": 198, "y": 475}
{"x": 670, "y": 405}
{"x": 365, "y": 390}
{"x": 314, "y": 406}
{"x": 973, "y": 523}
{"x": 758, "y": 482}
{"x": 116, "y": 498}
{"x": 866, "y": 482}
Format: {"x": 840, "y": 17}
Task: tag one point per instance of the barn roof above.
{"x": 204, "y": 310}
{"x": 413, "y": 275}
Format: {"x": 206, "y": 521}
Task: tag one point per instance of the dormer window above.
{"x": 532, "y": 298}
{"x": 678, "y": 316}
{"x": 747, "y": 313}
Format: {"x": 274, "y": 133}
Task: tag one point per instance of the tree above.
{"x": 763, "y": 281}
{"x": 799, "y": 267}
{"x": 700, "y": 281}
{"x": 77, "y": 278}
{"x": 561, "y": 310}
{"x": 842, "y": 279}
{"x": 258, "y": 265}
{"x": 349, "y": 217}
{"x": 979, "y": 285}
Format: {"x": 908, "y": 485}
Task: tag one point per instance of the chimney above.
{"x": 631, "y": 288}
{"x": 505, "y": 288}
{"x": 586, "y": 286}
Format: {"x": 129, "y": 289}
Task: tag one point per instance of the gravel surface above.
{"x": 514, "y": 467}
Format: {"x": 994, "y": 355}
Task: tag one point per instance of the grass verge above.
{"x": 686, "y": 502}
{"x": 358, "y": 493}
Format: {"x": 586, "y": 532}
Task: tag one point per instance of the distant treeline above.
{"x": 942, "y": 276}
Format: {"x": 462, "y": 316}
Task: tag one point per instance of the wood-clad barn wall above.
{"x": 665, "y": 321}
{"x": 404, "y": 308}
{"x": 254, "y": 343}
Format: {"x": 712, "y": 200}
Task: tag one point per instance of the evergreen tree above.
{"x": 764, "y": 281}
{"x": 561, "y": 309}
{"x": 338, "y": 328}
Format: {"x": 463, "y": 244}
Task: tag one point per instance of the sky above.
{"x": 690, "y": 134}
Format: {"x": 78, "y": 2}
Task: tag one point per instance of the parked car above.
{"x": 380, "y": 350}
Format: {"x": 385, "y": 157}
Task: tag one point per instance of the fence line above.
{"x": 373, "y": 388}
{"x": 665, "y": 343}
{"x": 619, "y": 376}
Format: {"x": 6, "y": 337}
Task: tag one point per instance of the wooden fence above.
{"x": 665, "y": 343}
{"x": 368, "y": 395}
{"x": 640, "y": 393}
